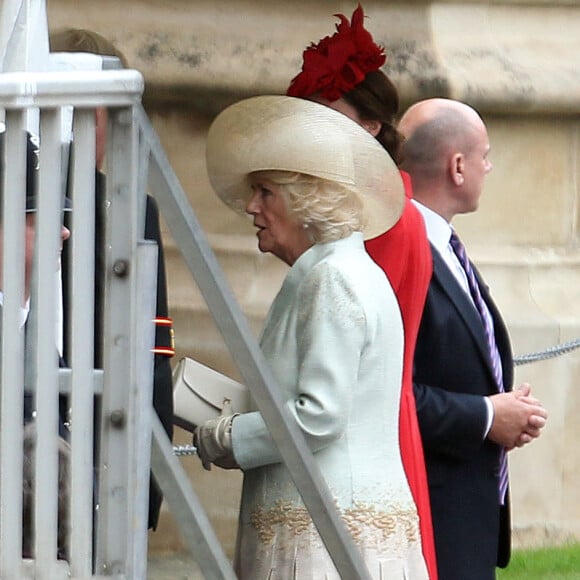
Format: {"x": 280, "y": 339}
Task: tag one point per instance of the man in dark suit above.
{"x": 163, "y": 348}
{"x": 469, "y": 415}
{"x": 81, "y": 40}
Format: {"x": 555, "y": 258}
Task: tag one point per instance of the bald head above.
{"x": 443, "y": 141}
{"x": 432, "y": 128}
{"x": 430, "y": 109}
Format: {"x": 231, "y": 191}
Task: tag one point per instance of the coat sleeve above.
{"x": 330, "y": 331}
{"x": 451, "y": 423}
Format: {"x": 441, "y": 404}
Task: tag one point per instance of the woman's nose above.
{"x": 252, "y": 205}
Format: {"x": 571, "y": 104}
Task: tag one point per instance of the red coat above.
{"x": 404, "y": 255}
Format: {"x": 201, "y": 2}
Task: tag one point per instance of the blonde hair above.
{"x": 328, "y": 210}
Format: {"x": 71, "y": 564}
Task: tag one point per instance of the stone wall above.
{"x": 517, "y": 62}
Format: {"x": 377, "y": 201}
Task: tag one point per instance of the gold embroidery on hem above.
{"x": 357, "y": 519}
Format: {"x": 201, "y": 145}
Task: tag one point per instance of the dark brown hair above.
{"x": 377, "y": 99}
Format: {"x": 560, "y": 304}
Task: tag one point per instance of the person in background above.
{"x": 342, "y": 71}
{"x": 29, "y": 434}
{"x": 463, "y": 372}
{"x": 315, "y": 183}
{"x": 32, "y": 163}
{"x": 80, "y": 40}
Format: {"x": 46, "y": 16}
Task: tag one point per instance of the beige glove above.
{"x": 213, "y": 440}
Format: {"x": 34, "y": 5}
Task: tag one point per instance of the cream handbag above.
{"x": 201, "y": 393}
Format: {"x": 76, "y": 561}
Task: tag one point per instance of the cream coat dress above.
{"x": 334, "y": 340}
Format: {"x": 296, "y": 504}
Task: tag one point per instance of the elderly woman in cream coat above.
{"x": 313, "y": 182}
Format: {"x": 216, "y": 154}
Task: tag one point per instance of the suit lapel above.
{"x": 463, "y": 305}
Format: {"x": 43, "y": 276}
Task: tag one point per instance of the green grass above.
{"x": 562, "y": 563}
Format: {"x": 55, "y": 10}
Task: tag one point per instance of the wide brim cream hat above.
{"x": 291, "y": 134}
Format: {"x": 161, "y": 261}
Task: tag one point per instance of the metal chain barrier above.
{"x": 550, "y": 352}
{"x": 184, "y": 450}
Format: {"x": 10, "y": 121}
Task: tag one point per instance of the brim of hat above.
{"x": 274, "y": 132}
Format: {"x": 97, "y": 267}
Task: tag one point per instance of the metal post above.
{"x": 82, "y": 291}
{"x": 142, "y": 406}
{"x": 12, "y": 353}
{"x": 46, "y": 363}
{"x": 114, "y": 522}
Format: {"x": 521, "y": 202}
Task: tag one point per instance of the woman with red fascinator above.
{"x": 343, "y": 72}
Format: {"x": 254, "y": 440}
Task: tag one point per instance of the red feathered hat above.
{"x": 338, "y": 63}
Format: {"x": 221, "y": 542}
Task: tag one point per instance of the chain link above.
{"x": 184, "y": 450}
{"x": 550, "y": 352}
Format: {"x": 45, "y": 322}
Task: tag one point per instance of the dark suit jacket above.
{"x": 162, "y": 380}
{"x": 452, "y": 373}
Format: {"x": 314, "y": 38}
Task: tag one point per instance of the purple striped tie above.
{"x": 487, "y": 321}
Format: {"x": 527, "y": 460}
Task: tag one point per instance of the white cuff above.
{"x": 489, "y": 406}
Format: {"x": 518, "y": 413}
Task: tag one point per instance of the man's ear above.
{"x": 456, "y": 169}
{"x": 372, "y": 126}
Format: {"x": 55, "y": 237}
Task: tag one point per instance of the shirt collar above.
{"x": 438, "y": 229}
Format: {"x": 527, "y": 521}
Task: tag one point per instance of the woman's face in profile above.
{"x": 278, "y": 231}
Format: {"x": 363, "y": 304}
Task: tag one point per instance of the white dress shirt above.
{"x": 439, "y": 233}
